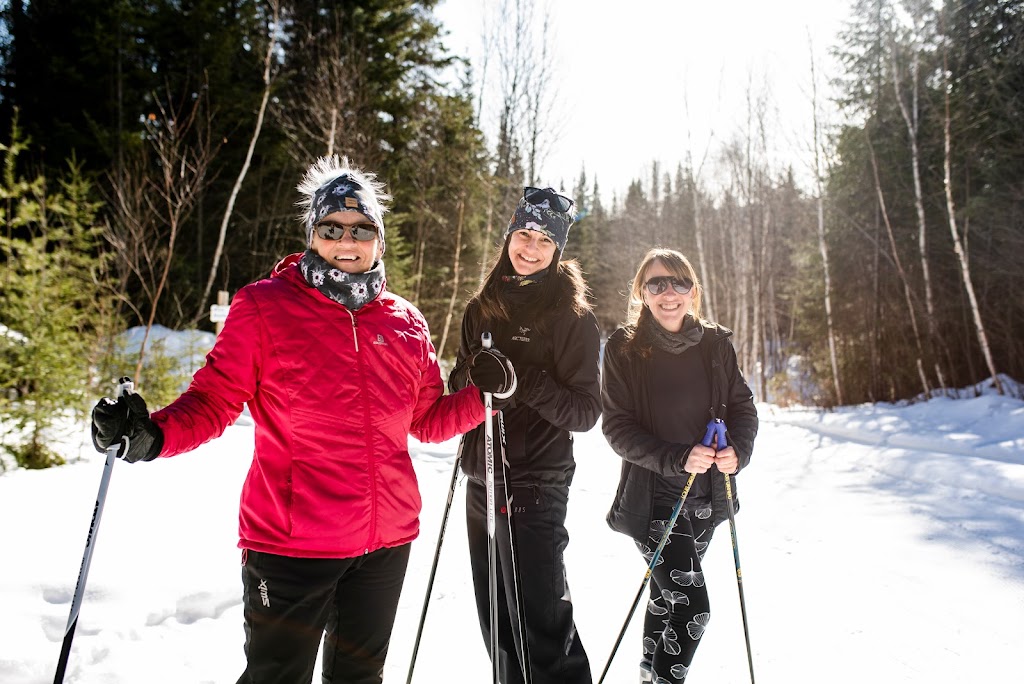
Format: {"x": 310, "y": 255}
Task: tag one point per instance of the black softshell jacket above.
{"x": 559, "y": 392}
{"x": 629, "y": 426}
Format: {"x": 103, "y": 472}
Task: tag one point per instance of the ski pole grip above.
{"x": 720, "y": 431}
{"x": 125, "y": 385}
{"x": 709, "y": 434}
{"x": 714, "y": 436}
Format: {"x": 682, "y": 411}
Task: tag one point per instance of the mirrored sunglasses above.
{"x": 659, "y": 284}
{"x": 555, "y": 201}
{"x": 363, "y": 232}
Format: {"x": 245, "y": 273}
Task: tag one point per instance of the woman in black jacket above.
{"x": 535, "y": 307}
{"x": 666, "y": 373}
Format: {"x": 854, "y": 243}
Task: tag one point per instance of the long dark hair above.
{"x": 563, "y": 286}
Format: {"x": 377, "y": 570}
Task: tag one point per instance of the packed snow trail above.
{"x": 901, "y": 561}
{"x": 850, "y": 569}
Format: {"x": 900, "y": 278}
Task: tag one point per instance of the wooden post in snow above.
{"x": 219, "y": 311}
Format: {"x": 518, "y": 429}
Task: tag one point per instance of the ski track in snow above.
{"x": 981, "y": 431}
{"x": 975, "y": 497}
{"x": 910, "y": 451}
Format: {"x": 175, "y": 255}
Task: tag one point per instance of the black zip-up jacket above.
{"x": 653, "y": 423}
{"x": 559, "y": 390}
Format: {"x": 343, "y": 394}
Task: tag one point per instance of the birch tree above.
{"x": 901, "y": 272}
{"x": 913, "y": 43}
{"x": 822, "y": 242}
{"x": 268, "y": 59}
{"x": 958, "y": 244}
{"x": 522, "y": 47}
{"x": 707, "y": 303}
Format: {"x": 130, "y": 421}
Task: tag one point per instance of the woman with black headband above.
{"x": 535, "y": 307}
{"x": 666, "y": 373}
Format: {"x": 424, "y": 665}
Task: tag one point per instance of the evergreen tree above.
{"x": 53, "y": 310}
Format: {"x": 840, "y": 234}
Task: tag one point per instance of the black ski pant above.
{"x": 678, "y": 609}
{"x": 290, "y": 603}
{"x": 554, "y": 649}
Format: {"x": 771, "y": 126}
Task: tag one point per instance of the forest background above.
{"x": 152, "y": 151}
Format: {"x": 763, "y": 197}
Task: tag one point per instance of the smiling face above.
{"x": 530, "y": 251}
{"x": 668, "y": 308}
{"x": 348, "y": 254}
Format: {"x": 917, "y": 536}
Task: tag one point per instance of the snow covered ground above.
{"x": 878, "y": 543}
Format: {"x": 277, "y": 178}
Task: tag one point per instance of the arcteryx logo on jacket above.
{"x": 559, "y": 392}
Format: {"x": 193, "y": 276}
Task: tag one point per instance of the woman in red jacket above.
{"x": 337, "y": 372}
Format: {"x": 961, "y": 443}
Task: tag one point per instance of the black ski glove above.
{"x": 492, "y": 372}
{"x": 126, "y": 417}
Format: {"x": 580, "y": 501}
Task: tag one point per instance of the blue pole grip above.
{"x": 715, "y": 434}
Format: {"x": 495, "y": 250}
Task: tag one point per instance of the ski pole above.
{"x": 524, "y": 650}
{"x": 492, "y": 547}
{"x": 721, "y": 442}
{"x": 125, "y": 385}
{"x": 709, "y": 435}
{"x": 739, "y": 574}
{"x": 437, "y": 556}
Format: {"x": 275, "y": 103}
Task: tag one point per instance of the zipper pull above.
{"x": 355, "y": 329}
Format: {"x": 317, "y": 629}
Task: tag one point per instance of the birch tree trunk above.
{"x": 762, "y": 299}
{"x": 907, "y": 292}
{"x": 961, "y": 255}
{"x": 822, "y": 244}
{"x": 456, "y": 272}
{"x": 702, "y": 262}
{"x": 707, "y": 302}
{"x": 540, "y": 84}
{"x": 488, "y": 231}
{"x": 421, "y": 245}
{"x": 267, "y": 63}
{"x": 911, "y": 118}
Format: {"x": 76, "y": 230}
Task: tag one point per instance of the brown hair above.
{"x": 564, "y": 284}
{"x": 637, "y": 313}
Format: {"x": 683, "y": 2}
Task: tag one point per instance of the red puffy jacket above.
{"x": 334, "y": 395}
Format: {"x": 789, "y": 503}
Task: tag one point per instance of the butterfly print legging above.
{"x": 678, "y": 609}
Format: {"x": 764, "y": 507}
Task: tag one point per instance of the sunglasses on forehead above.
{"x": 555, "y": 201}
{"x": 659, "y": 284}
{"x": 363, "y": 232}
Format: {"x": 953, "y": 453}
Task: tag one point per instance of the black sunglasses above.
{"x": 363, "y": 232}
{"x": 555, "y": 201}
{"x": 659, "y": 284}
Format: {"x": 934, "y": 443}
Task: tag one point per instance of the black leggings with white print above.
{"x": 678, "y": 609}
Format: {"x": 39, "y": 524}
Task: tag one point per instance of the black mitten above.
{"x": 126, "y": 417}
{"x": 492, "y": 372}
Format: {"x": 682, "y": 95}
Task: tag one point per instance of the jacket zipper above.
{"x": 355, "y": 328}
{"x": 373, "y": 469}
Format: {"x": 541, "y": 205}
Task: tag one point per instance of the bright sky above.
{"x": 878, "y": 542}
{"x": 627, "y": 69}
